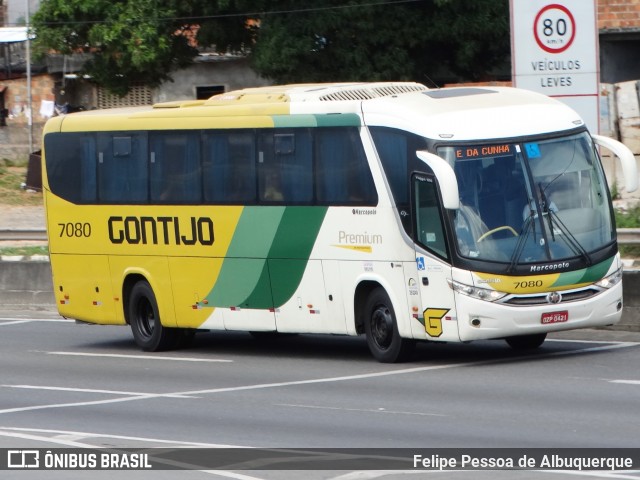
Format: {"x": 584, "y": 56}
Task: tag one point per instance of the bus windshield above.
{"x": 530, "y": 202}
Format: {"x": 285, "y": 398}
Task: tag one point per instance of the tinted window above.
{"x": 428, "y": 218}
{"x": 175, "y": 168}
{"x": 296, "y": 166}
{"x": 122, "y": 168}
{"x": 229, "y": 167}
{"x": 397, "y": 152}
{"x": 285, "y": 167}
{"x": 342, "y": 172}
{"x": 71, "y": 165}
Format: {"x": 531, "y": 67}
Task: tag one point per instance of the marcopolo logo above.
{"x": 163, "y": 230}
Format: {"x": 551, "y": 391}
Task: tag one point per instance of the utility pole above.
{"x": 29, "y": 99}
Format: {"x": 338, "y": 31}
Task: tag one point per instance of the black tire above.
{"x": 526, "y": 342}
{"x": 381, "y": 330}
{"x": 144, "y": 318}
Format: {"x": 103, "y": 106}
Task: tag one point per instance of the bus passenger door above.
{"x": 437, "y": 314}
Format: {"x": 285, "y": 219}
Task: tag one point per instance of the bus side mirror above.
{"x": 627, "y": 160}
{"x": 446, "y": 179}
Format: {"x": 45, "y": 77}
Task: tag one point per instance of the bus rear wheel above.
{"x": 144, "y": 318}
{"x": 526, "y": 342}
{"x": 381, "y": 330}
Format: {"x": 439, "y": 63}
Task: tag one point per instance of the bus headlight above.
{"x": 475, "y": 292}
{"x": 611, "y": 280}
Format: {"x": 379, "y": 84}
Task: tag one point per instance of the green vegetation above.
{"x": 629, "y": 218}
{"x": 11, "y": 178}
{"x": 24, "y": 251}
{"x": 143, "y": 41}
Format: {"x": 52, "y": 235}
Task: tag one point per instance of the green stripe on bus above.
{"x": 586, "y": 275}
{"x": 255, "y": 231}
{"x": 243, "y": 270}
{"x": 292, "y": 248}
{"x": 305, "y": 120}
{"x": 297, "y": 232}
{"x": 338, "y": 120}
{"x": 276, "y": 243}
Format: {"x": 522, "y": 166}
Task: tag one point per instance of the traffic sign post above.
{"x": 554, "y": 50}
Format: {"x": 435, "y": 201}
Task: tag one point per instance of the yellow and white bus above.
{"x": 386, "y": 209}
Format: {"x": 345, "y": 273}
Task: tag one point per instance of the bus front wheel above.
{"x": 526, "y": 342}
{"x": 381, "y": 330}
{"x": 144, "y": 318}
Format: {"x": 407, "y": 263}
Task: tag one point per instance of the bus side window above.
{"x": 229, "y": 167}
{"x": 175, "y": 168}
{"x": 429, "y": 226}
{"x": 285, "y": 167}
{"x": 71, "y": 165}
{"x": 122, "y": 167}
{"x": 343, "y": 176}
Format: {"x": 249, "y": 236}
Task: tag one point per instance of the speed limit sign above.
{"x": 554, "y": 28}
{"x": 554, "y": 51}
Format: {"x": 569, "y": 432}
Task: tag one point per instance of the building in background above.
{"x": 619, "y": 27}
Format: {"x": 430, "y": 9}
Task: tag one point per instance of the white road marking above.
{"x": 408, "y": 370}
{"x": 142, "y": 357}
{"x": 84, "y": 435}
{"x": 260, "y": 386}
{"x": 79, "y": 404}
{"x": 628, "y": 382}
{"x": 89, "y": 390}
{"x": 365, "y": 410}
{"x": 566, "y": 340}
{"x": 4, "y": 323}
{"x": 26, "y": 320}
{"x": 609, "y": 346}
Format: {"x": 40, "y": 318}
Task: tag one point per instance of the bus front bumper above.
{"x": 478, "y": 320}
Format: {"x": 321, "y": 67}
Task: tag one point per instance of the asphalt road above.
{"x": 70, "y": 385}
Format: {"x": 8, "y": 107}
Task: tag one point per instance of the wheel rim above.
{"x": 382, "y": 327}
{"x": 145, "y": 317}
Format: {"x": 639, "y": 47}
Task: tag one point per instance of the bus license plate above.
{"x": 555, "y": 317}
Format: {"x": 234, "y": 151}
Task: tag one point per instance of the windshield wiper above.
{"x": 522, "y": 240}
{"x": 569, "y": 238}
{"x": 546, "y": 208}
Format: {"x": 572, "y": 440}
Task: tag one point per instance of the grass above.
{"x": 628, "y": 219}
{"x": 12, "y": 176}
{"x": 25, "y": 251}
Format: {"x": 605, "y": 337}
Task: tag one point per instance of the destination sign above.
{"x": 480, "y": 151}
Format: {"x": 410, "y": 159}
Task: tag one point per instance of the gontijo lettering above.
{"x": 164, "y": 230}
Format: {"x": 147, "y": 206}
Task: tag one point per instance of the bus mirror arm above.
{"x": 446, "y": 179}
{"x": 627, "y": 160}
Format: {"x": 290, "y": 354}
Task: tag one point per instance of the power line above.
{"x": 250, "y": 14}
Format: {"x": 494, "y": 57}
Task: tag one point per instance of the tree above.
{"x": 288, "y": 41}
{"x": 131, "y": 40}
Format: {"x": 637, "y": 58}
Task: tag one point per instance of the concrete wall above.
{"x": 28, "y": 285}
{"x": 232, "y": 74}
{"x": 631, "y": 294}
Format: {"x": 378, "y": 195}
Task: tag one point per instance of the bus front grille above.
{"x": 528, "y": 300}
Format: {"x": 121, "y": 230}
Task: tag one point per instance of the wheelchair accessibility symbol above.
{"x": 420, "y": 262}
